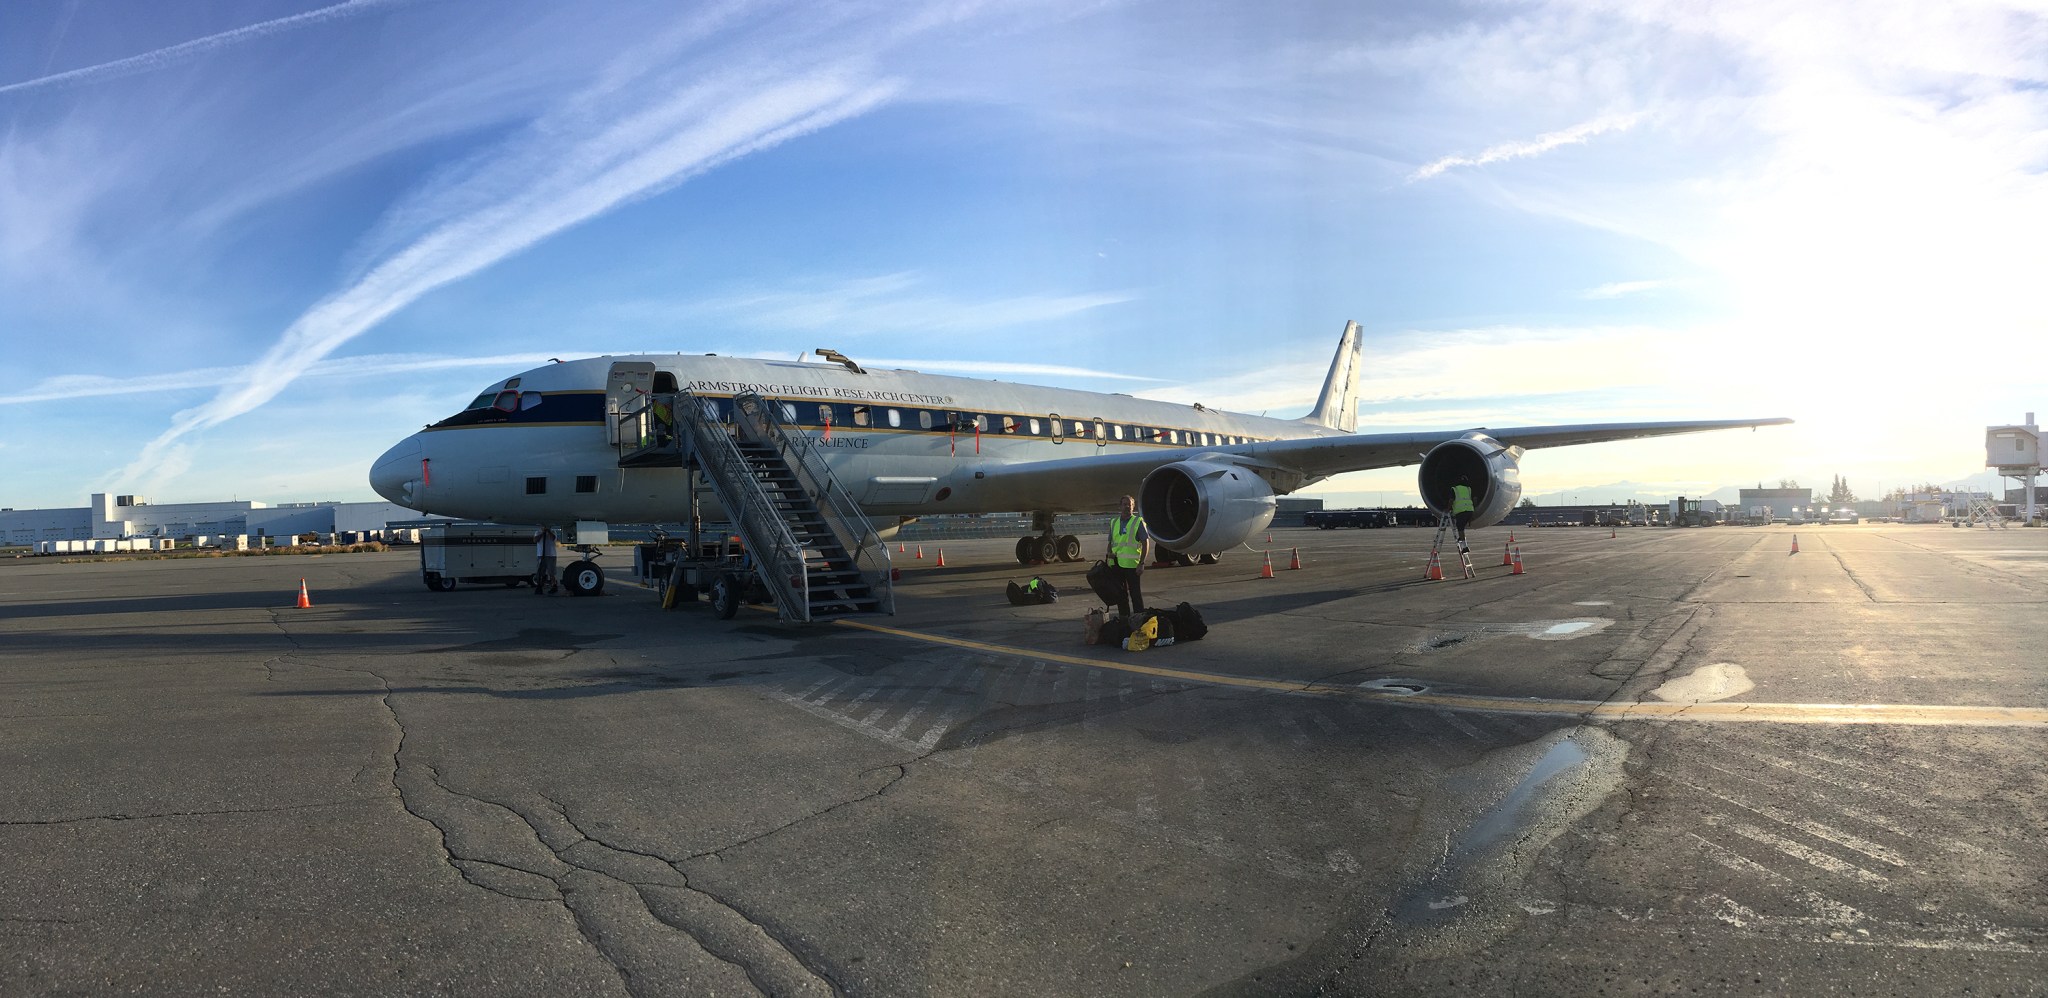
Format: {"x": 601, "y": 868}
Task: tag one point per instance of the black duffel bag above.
{"x": 1105, "y": 583}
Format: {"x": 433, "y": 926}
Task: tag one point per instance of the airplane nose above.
{"x": 396, "y": 474}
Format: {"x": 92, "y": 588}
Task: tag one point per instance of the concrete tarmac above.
{"x": 1663, "y": 761}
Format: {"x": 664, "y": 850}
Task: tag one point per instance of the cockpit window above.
{"x": 506, "y": 401}
{"x": 483, "y": 401}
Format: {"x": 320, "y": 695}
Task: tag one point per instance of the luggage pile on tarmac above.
{"x": 1145, "y": 628}
{"x": 1141, "y": 630}
{"x": 1034, "y": 592}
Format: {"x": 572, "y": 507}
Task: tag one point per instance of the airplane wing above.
{"x": 1063, "y": 484}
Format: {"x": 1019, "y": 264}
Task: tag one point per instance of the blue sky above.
{"x": 244, "y": 246}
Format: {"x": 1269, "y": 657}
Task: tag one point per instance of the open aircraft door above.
{"x": 625, "y": 392}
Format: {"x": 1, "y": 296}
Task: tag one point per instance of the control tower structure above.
{"x": 2015, "y": 451}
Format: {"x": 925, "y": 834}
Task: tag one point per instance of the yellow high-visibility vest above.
{"x": 1123, "y": 541}
{"x": 1461, "y": 499}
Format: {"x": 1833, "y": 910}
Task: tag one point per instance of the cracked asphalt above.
{"x": 396, "y": 791}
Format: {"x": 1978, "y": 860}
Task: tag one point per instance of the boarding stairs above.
{"x": 1445, "y": 528}
{"x": 812, "y": 548}
{"x": 1981, "y": 511}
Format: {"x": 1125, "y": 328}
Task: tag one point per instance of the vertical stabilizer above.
{"x": 1338, "y": 406}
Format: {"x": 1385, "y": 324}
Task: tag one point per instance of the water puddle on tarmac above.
{"x": 1398, "y": 687}
{"x": 1541, "y": 630}
{"x": 1469, "y": 890}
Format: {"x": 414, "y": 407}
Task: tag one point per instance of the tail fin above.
{"x": 1338, "y": 406}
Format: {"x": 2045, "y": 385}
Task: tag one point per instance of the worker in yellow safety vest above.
{"x": 664, "y": 422}
{"x": 1462, "y": 508}
{"x": 1129, "y": 543}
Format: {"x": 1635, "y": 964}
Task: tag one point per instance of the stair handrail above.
{"x": 836, "y": 506}
{"x": 778, "y": 554}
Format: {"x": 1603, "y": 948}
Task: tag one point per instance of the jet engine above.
{"x": 1204, "y": 507}
{"x": 1488, "y": 466}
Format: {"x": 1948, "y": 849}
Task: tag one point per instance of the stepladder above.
{"x": 1444, "y": 528}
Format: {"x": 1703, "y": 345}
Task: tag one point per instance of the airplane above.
{"x": 545, "y": 446}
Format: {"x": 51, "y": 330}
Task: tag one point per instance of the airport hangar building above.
{"x": 117, "y": 516}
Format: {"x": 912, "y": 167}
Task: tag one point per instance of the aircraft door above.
{"x": 625, "y": 395}
{"x": 1058, "y": 429}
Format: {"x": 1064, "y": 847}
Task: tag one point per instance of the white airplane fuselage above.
{"x": 903, "y": 443}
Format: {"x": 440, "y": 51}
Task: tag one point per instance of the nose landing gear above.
{"x": 583, "y": 577}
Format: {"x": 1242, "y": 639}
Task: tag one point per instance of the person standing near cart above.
{"x": 1128, "y": 545}
{"x": 544, "y": 561}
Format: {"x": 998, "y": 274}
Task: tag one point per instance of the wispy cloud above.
{"x": 172, "y": 55}
{"x": 68, "y": 387}
{"x": 890, "y": 303}
{"x": 1616, "y": 289}
{"x": 638, "y": 137}
{"x": 1535, "y": 147}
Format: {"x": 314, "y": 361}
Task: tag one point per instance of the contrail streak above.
{"x": 1541, "y": 144}
{"x": 172, "y": 55}
{"x": 67, "y": 387}
{"x": 641, "y": 155}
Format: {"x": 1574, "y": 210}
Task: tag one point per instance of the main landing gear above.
{"x": 1045, "y": 546}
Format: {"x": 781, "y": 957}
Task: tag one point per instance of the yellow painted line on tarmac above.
{"x": 1212, "y": 678}
{"x": 1944, "y": 715}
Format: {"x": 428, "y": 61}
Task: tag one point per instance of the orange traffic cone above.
{"x": 1269, "y": 537}
{"x": 304, "y": 603}
{"x": 1517, "y": 570}
{"x": 1795, "y": 543}
{"x": 1610, "y": 533}
{"x": 1436, "y": 569}
{"x": 1294, "y": 564}
{"x": 899, "y": 547}
{"x": 1267, "y": 572}
{"x": 1511, "y": 537}
{"x": 942, "y": 558}
{"x": 1505, "y": 557}
{"x": 920, "y": 552}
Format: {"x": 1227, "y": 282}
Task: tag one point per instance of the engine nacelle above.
{"x": 1488, "y": 466}
{"x": 1204, "y": 507}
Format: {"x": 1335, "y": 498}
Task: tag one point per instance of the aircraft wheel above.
{"x": 725, "y": 596}
{"x": 583, "y": 578}
{"x": 1026, "y": 547}
{"x": 1070, "y": 548}
{"x": 1046, "y": 549}
{"x": 440, "y": 583}
{"x": 1209, "y": 559}
{"x": 514, "y": 583}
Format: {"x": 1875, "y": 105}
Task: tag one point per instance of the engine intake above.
{"x": 1204, "y": 507}
{"x": 1488, "y": 466}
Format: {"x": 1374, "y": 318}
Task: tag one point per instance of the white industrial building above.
{"x": 118, "y": 517}
{"x": 1781, "y": 501}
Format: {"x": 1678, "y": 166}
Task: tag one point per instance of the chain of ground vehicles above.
{"x": 1332, "y": 519}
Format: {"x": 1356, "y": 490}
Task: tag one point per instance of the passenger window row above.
{"x": 1052, "y": 426}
